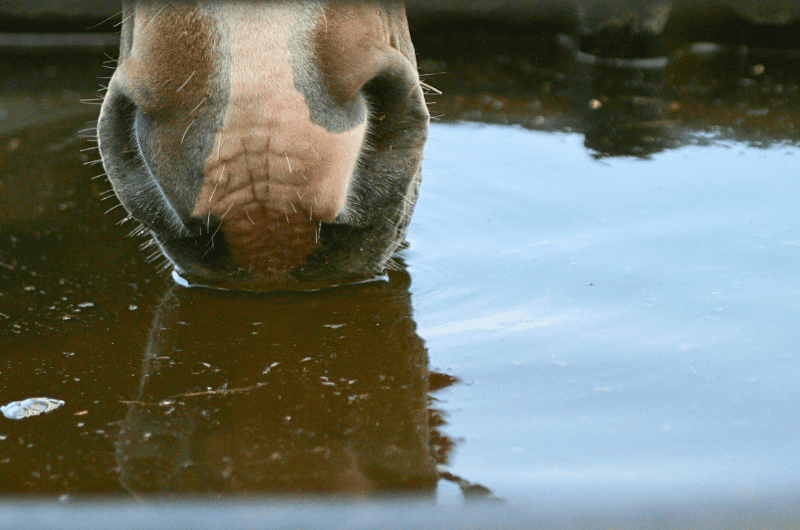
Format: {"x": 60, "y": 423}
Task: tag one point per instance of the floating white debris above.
{"x": 27, "y": 408}
{"x": 180, "y": 280}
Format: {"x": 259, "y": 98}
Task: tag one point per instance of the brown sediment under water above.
{"x": 598, "y": 299}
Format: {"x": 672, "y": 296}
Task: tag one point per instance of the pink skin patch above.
{"x": 273, "y": 174}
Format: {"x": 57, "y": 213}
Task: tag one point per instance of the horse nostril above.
{"x": 397, "y": 106}
{"x": 116, "y": 126}
{"x": 127, "y": 167}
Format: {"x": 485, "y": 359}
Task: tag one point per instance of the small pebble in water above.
{"x": 27, "y": 408}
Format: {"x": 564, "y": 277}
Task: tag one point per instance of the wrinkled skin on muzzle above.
{"x": 267, "y": 145}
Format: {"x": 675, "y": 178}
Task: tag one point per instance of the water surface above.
{"x": 597, "y": 302}
{"x": 619, "y": 325}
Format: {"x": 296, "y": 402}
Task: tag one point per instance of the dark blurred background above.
{"x": 634, "y": 76}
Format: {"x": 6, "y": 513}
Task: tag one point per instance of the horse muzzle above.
{"x": 256, "y": 157}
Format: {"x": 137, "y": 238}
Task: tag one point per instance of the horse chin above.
{"x": 260, "y": 279}
{"x": 294, "y": 256}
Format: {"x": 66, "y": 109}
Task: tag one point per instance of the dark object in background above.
{"x": 585, "y": 17}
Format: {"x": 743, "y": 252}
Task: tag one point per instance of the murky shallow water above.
{"x": 570, "y": 326}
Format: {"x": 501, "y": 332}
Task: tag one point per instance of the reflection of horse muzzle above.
{"x": 277, "y": 399}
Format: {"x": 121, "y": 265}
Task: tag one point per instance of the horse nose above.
{"x": 252, "y": 152}
{"x": 128, "y": 169}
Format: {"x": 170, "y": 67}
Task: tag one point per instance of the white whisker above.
{"x": 217, "y": 230}
{"x": 198, "y": 105}
{"x": 118, "y": 13}
{"x": 186, "y": 131}
{"x": 187, "y": 81}
{"x": 429, "y": 87}
{"x": 164, "y": 266}
{"x": 122, "y": 22}
{"x": 221, "y": 173}
{"x": 226, "y": 213}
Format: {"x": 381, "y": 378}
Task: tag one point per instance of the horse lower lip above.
{"x": 269, "y": 240}
{"x": 252, "y": 249}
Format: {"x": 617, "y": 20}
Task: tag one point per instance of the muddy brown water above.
{"x": 598, "y": 300}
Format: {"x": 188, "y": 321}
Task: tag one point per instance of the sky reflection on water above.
{"x": 666, "y": 296}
